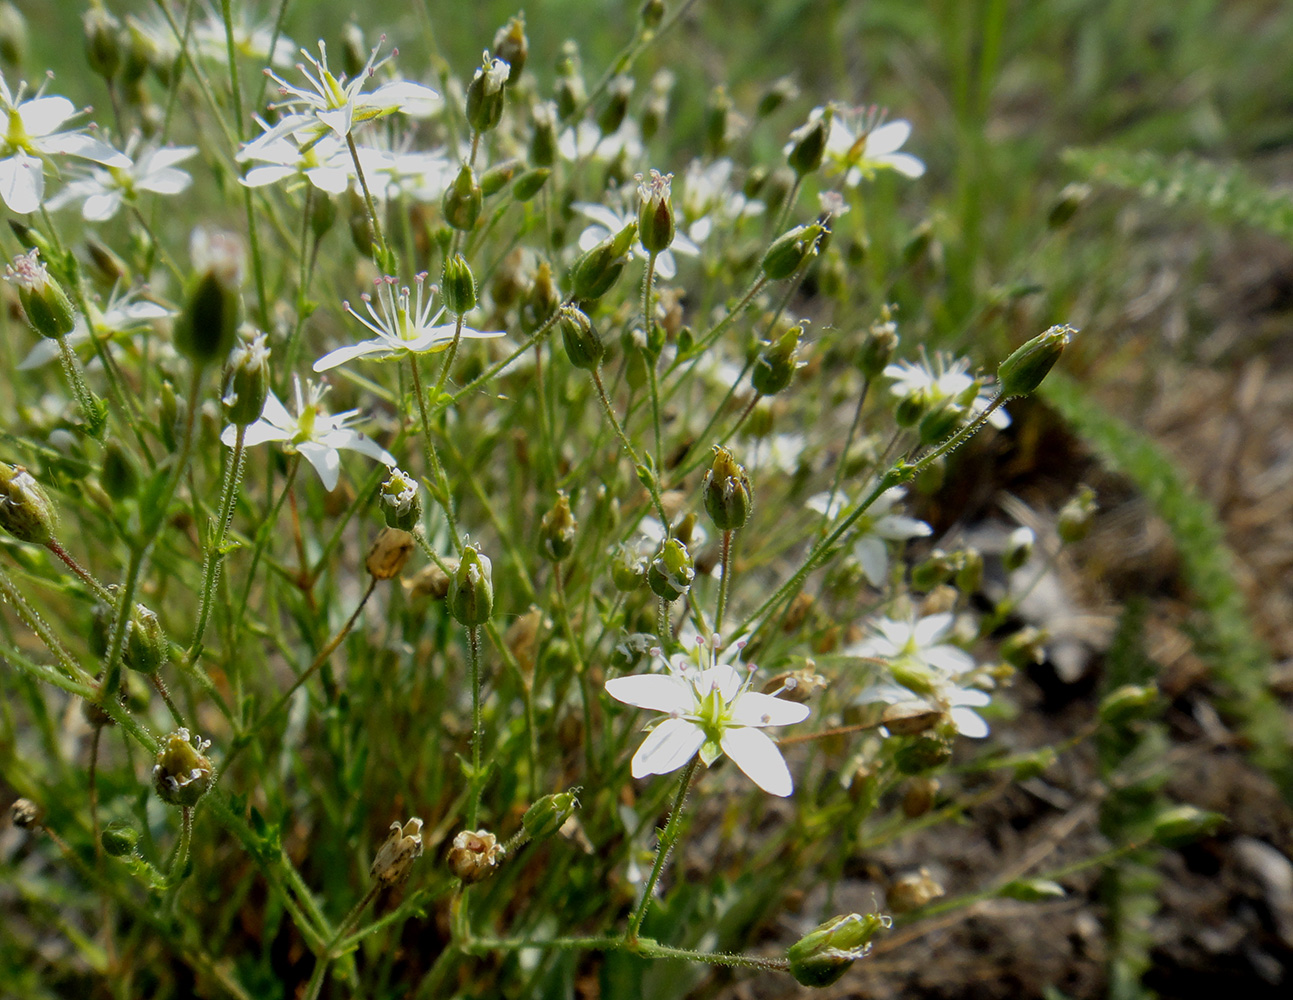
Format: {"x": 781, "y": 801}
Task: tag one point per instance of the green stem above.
{"x": 382, "y": 264}
{"x": 100, "y": 591}
{"x": 432, "y": 457}
{"x": 844, "y": 454}
{"x": 627, "y": 445}
{"x": 668, "y": 838}
{"x": 214, "y": 556}
{"x": 648, "y": 321}
{"x": 477, "y": 724}
{"x": 723, "y": 580}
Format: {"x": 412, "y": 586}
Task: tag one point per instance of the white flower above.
{"x": 330, "y": 104}
{"x": 406, "y": 325}
{"x": 207, "y": 38}
{"x": 313, "y": 433}
{"x": 585, "y": 141}
{"x": 915, "y": 644}
{"x": 710, "y": 711}
{"x": 874, "y": 529}
{"x": 708, "y": 197}
{"x": 943, "y": 381}
{"x": 946, "y": 696}
{"x": 782, "y": 452}
{"x": 325, "y": 163}
{"x": 103, "y": 191}
{"x": 607, "y": 222}
{"x": 30, "y": 136}
{"x": 861, "y": 142}
{"x": 124, "y": 313}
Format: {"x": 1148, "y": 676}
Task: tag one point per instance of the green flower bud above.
{"x": 105, "y": 267}
{"x": 570, "y": 90}
{"x": 718, "y": 120}
{"x": 937, "y": 568}
{"x": 496, "y": 177}
{"x": 246, "y": 385}
{"x": 389, "y": 552}
{"x": 557, "y": 531}
{"x": 598, "y": 269}
{"x": 808, "y": 143}
{"x": 779, "y": 92}
{"x": 880, "y": 345}
{"x": 1184, "y": 824}
{"x": 549, "y": 814}
{"x": 651, "y": 13}
{"x": 791, "y": 250}
{"x": 140, "y": 56}
{"x": 511, "y": 45}
{"x": 671, "y": 572}
{"x": 458, "y": 286}
{"x": 323, "y": 213}
{"x": 937, "y": 424}
{"x": 1067, "y": 203}
{"x": 462, "y": 201}
{"x": 775, "y": 366}
{"x": 475, "y": 855}
{"x": 1019, "y": 548}
{"x": 613, "y": 112}
{"x": 1076, "y": 515}
{"x": 530, "y": 183}
{"x": 969, "y": 574}
{"x": 1033, "y": 890}
{"x": 48, "y": 309}
{"x": 471, "y": 589}
{"x": 1024, "y": 370}
{"x": 400, "y": 501}
{"x": 147, "y": 647}
{"x": 13, "y": 34}
{"x": 1130, "y": 702}
{"x": 207, "y": 326}
{"x": 543, "y": 300}
{"x": 543, "y": 141}
{"x": 727, "y": 492}
{"x": 628, "y": 569}
{"x": 1026, "y": 648}
{"x": 655, "y": 212}
{"x": 26, "y": 511}
{"x": 923, "y": 754}
{"x": 182, "y": 773}
{"x": 119, "y": 839}
{"x": 102, "y": 41}
{"x": 823, "y": 955}
{"x": 485, "y": 94}
{"x": 583, "y": 344}
{"x": 362, "y": 236}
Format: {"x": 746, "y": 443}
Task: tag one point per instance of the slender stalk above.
{"x": 723, "y": 581}
{"x": 844, "y": 453}
{"x": 627, "y": 445}
{"x": 668, "y": 838}
{"x": 213, "y": 558}
{"x": 368, "y": 201}
{"x": 432, "y": 457}
{"x": 100, "y": 591}
{"x": 85, "y": 399}
{"x": 477, "y": 724}
{"x": 449, "y": 356}
{"x": 648, "y": 321}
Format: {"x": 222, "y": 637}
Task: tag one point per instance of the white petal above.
{"x": 666, "y": 266}
{"x": 888, "y": 138}
{"x": 413, "y": 99}
{"x": 352, "y": 440}
{"x": 754, "y": 753}
{"x": 276, "y": 413}
{"x": 22, "y": 183}
{"x": 343, "y": 354}
{"x": 886, "y": 692}
{"x": 657, "y": 692}
{"x": 169, "y": 157}
{"x": 260, "y": 176}
{"x": 601, "y": 215}
{"x": 873, "y": 556}
{"x": 76, "y": 144}
{"x": 898, "y": 528}
{"x": 168, "y": 180}
{"x": 949, "y": 659}
{"x": 42, "y": 115}
{"x": 932, "y": 627}
{"x": 722, "y": 676}
{"x": 670, "y": 745}
{"x": 331, "y": 180}
{"x": 971, "y": 696}
{"x": 756, "y": 709}
{"x": 905, "y": 164}
{"x": 101, "y": 207}
{"x": 45, "y": 351}
{"x": 326, "y": 462}
{"x": 969, "y": 723}
{"x": 340, "y": 120}
{"x": 257, "y": 433}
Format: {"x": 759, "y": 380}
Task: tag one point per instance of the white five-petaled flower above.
{"x": 861, "y": 142}
{"x": 313, "y": 433}
{"x": 31, "y": 134}
{"x": 915, "y": 642}
{"x": 941, "y": 381}
{"x": 333, "y": 105}
{"x": 606, "y": 222}
{"x": 103, "y": 190}
{"x": 711, "y": 711}
{"x": 325, "y": 162}
{"x": 947, "y": 696}
{"x": 874, "y": 529}
{"x": 406, "y": 325}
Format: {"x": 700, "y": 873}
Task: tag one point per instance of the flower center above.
{"x": 16, "y": 135}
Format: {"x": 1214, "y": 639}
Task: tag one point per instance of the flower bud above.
{"x": 549, "y": 814}
{"x": 779, "y": 92}
{"x": 462, "y": 201}
{"x": 1067, "y": 203}
{"x": 880, "y": 345}
{"x": 791, "y": 250}
{"x": 119, "y": 839}
{"x": 655, "y": 212}
{"x": 395, "y": 857}
{"x": 583, "y": 344}
{"x": 923, "y": 754}
{"x": 530, "y": 183}
{"x": 118, "y": 475}
{"x": 727, "y": 492}
{"x": 207, "y": 326}
{"x": 543, "y": 142}
{"x": 26, "y": 511}
{"x": 1130, "y": 702}
{"x": 613, "y": 112}
{"x": 246, "y": 384}
{"x": 400, "y": 501}
{"x": 485, "y": 95}
{"x": 1024, "y": 370}
{"x": 570, "y": 90}
{"x": 1019, "y": 548}
{"x": 1032, "y": 890}
{"x": 651, "y": 13}
{"x": 912, "y": 891}
{"x": 105, "y": 267}
{"x": 671, "y": 572}
{"x": 1181, "y": 825}
{"x": 475, "y": 855}
{"x": 775, "y": 366}
{"x": 511, "y": 45}
{"x": 13, "y": 34}
{"x": 390, "y": 551}
{"x": 600, "y": 267}
{"x": 182, "y": 773}
{"x": 628, "y": 569}
{"x": 497, "y": 177}
{"x": 147, "y": 647}
{"x": 471, "y": 589}
{"x": 458, "y": 287}
{"x": 718, "y": 120}
{"x": 808, "y": 143}
{"x": 102, "y": 41}
{"x": 557, "y": 531}
{"x": 25, "y": 814}
{"x": 543, "y": 300}
{"x": 824, "y": 954}
{"x": 48, "y": 309}
{"x": 1076, "y": 515}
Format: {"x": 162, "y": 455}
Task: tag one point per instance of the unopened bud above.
{"x": 655, "y": 212}
{"x": 779, "y": 92}
{"x": 1019, "y": 548}
{"x": 13, "y": 34}
{"x": 791, "y": 250}
{"x": 1130, "y": 702}
{"x": 462, "y": 201}
{"x": 583, "y": 344}
{"x": 403, "y": 846}
{"x": 485, "y": 94}
{"x": 530, "y": 183}
{"x": 727, "y": 492}
{"x": 936, "y": 568}
{"x": 543, "y": 142}
{"x": 390, "y": 551}
{"x": 1024, "y": 370}
{"x": 549, "y": 814}
{"x": 628, "y": 569}
{"x": 912, "y": 891}
{"x": 718, "y": 115}
{"x": 923, "y": 754}
{"x": 671, "y": 572}
{"x": 475, "y": 855}
{"x": 147, "y": 647}
{"x": 102, "y": 41}
{"x": 543, "y": 300}
{"x": 776, "y": 364}
{"x": 362, "y": 236}
{"x": 247, "y": 382}
{"x": 651, "y": 13}
{"x": 1067, "y": 204}
{"x": 1075, "y": 516}
{"x": 1183, "y": 824}
{"x": 823, "y": 955}
{"x": 182, "y": 773}
{"x": 458, "y": 287}
{"x": 48, "y": 309}
{"x": 613, "y": 112}
{"x": 119, "y": 839}
{"x": 471, "y": 589}
{"x": 570, "y": 90}
{"x": 557, "y": 531}
{"x": 1033, "y": 890}
{"x": 600, "y": 267}
{"x": 1026, "y": 648}
{"x": 26, "y": 511}
{"x": 207, "y": 326}
{"x": 808, "y": 143}
{"x": 400, "y": 501}
{"x": 511, "y": 45}
{"x": 880, "y": 345}
{"x": 969, "y": 575}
